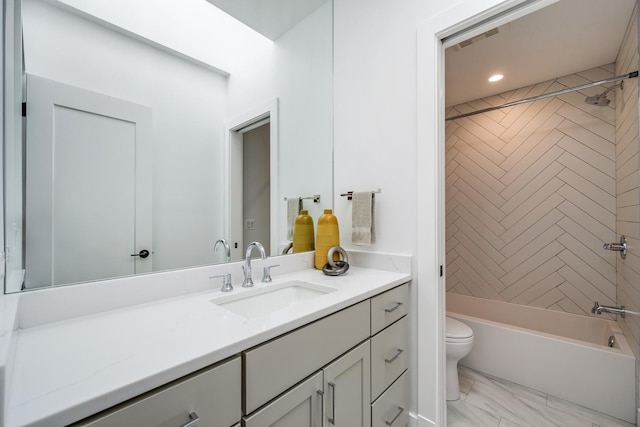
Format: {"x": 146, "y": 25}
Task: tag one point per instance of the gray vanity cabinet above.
{"x": 339, "y": 393}
{"x": 212, "y": 396}
{"x": 272, "y": 368}
{"x": 389, "y": 358}
{"x": 360, "y": 355}
{"x": 348, "y": 369}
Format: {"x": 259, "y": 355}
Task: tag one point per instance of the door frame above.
{"x": 465, "y": 19}
{"x": 234, "y": 130}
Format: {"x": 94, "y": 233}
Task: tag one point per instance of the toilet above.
{"x": 459, "y": 342}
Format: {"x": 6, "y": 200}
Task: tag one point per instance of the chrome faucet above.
{"x": 227, "y": 249}
{"x": 598, "y": 309}
{"x": 246, "y": 268}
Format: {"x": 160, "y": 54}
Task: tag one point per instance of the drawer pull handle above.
{"x": 194, "y": 419}
{"x": 398, "y": 353}
{"x": 400, "y": 411}
{"x": 394, "y": 308}
{"x": 332, "y": 419}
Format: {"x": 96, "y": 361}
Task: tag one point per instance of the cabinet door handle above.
{"x": 194, "y": 419}
{"x": 398, "y": 353}
{"x": 393, "y": 420}
{"x": 321, "y": 394}
{"x": 394, "y": 308}
{"x": 332, "y": 419}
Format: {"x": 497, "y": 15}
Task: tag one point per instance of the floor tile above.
{"x": 598, "y": 418}
{"x": 511, "y": 388}
{"x": 487, "y": 399}
{"x": 459, "y": 414}
{"x": 465, "y": 384}
{"x": 519, "y": 410}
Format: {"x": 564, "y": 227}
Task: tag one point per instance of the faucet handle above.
{"x": 266, "y": 273}
{"x": 248, "y": 281}
{"x": 226, "y": 282}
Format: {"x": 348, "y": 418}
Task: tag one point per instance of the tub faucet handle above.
{"x": 617, "y": 247}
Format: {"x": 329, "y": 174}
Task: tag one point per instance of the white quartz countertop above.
{"x": 66, "y": 370}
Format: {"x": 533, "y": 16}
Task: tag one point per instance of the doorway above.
{"x": 256, "y": 185}
{"x": 435, "y": 36}
{"x": 251, "y": 180}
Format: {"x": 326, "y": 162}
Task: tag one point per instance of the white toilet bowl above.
{"x": 459, "y": 342}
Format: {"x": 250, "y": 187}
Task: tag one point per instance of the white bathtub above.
{"x": 561, "y": 354}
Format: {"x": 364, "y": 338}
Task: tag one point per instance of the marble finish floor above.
{"x": 490, "y": 402}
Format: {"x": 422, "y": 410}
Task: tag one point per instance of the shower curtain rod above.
{"x": 547, "y": 95}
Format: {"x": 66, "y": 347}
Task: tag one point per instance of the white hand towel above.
{"x": 363, "y": 230}
{"x": 293, "y": 210}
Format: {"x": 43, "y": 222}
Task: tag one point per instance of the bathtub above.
{"x": 561, "y": 354}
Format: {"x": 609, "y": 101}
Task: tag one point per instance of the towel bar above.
{"x": 349, "y": 194}
{"x": 315, "y": 198}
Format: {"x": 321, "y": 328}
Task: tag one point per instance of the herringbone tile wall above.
{"x": 531, "y": 198}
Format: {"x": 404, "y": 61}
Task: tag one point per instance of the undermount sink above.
{"x": 267, "y": 299}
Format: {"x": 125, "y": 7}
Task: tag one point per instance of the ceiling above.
{"x": 564, "y": 38}
{"x": 271, "y": 18}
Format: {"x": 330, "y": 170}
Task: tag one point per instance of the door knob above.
{"x": 142, "y": 254}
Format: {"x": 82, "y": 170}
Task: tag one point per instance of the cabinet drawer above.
{"x": 273, "y": 367}
{"x": 389, "y": 356}
{"x": 392, "y": 408}
{"x": 388, "y": 307}
{"x": 214, "y": 395}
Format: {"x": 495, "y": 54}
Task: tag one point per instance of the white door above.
{"x": 88, "y": 185}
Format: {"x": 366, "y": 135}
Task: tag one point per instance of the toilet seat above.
{"x": 457, "y": 332}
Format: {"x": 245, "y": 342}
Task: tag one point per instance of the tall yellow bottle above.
{"x": 303, "y": 232}
{"x": 327, "y": 236}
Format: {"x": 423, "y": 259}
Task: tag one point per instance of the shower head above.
{"x": 601, "y": 98}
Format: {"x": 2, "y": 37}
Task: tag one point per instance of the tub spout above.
{"x": 598, "y": 309}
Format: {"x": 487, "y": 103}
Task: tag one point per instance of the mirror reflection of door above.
{"x": 256, "y": 186}
{"x": 88, "y": 185}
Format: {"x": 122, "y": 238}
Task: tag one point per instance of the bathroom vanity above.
{"x": 336, "y": 355}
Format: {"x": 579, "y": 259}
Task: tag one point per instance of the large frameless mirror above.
{"x": 155, "y": 129}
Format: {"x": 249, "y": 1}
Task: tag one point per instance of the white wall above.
{"x": 375, "y": 125}
{"x": 188, "y": 104}
{"x": 298, "y": 71}
{"x": 380, "y": 101}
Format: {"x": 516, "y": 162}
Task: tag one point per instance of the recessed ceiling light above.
{"x": 496, "y": 78}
